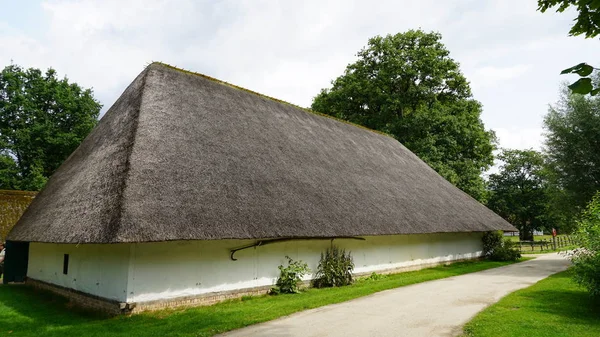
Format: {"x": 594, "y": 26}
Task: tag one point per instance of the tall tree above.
{"x": 519, "y": 191}
{"x": 587, "y": 23}
{"x": 572, "y": 144}
{"x": 407, "y": 85}
{"x": 42, "y": 120}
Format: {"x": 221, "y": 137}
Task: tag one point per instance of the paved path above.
{"x": 435, "y": 308}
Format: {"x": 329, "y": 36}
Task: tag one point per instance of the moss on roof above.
{"x": 268, "y": 97}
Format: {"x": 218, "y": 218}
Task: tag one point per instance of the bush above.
{"x": 491, "y": 241}
{"x": 586, "y": 260}
{"x": 290, "y": 277}
{"x": 335, "y": 269}
{"x": 496, "y": 248}
{"x": 507, "y": 251}
{"x": 373, "y": 277}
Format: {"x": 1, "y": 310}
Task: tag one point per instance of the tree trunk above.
{"x": 526, "y": 235}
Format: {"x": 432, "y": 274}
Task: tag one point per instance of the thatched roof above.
{"x": 12, "y": 205}
{"x": 181, "y": 156}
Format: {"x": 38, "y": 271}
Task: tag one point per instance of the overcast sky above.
{"x": 511, "y": 54}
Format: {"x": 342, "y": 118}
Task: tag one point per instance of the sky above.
{"x": 511, "y": 54}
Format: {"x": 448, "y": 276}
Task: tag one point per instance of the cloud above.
{"x": 491, "y": 75}
{"x": 521, "y": 138}
{"x": 290, "y": 50}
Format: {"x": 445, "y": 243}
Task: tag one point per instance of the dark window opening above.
{"x": 66, "y": 264}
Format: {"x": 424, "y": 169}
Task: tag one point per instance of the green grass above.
{"x": 553, "y": 307}
{"x": 25, "y": 312}
{"x": 535, "y": 238}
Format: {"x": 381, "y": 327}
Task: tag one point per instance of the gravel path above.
{"x": 435, "y": 308}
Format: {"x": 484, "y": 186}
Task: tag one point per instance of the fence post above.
{"x": 554, "y": 242}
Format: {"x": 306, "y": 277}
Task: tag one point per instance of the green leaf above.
{"x": 595, "y": 92}
{"x": 585, "y": 70}
{"x": 582, "y": 86}
{"x": 573, "y": 69}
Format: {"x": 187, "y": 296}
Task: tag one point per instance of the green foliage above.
{"x": 335, "y": 269}
{"x": 42, "y": 120}
{"x": 586, "y": 260}
{"x": 373, "y": 277}
{"x": 290, "y": 277}
{"x": 572, "y": 142}
{"x": 587, "y": 23}
{"x": 496, "y": 248}
{"x": 588, "y": 19}
{"x": 491, "y": 241}
{"x": 508, "y": 251}
{"x": 519, "y": 191}
{"x": 406, "y": 85}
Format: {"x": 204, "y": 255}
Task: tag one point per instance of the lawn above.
{"x": 553, "y": 307}
{"x": 25, "y": 312}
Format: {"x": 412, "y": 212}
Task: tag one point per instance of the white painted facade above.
{"x": 154, "y": 271}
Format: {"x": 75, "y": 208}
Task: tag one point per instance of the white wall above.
{"x": 94, "y": 269}
{"x": 150, "y": 271}
{"x": 183, "y": 268}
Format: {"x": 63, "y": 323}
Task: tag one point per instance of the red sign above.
{"x": 553, "y": 232}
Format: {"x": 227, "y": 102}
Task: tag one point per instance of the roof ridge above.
{"x": 213, "y": 79}
{"x": 116, "y": 221}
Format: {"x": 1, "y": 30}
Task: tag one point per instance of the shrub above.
{"x": 290, "y": 277}
{"x": 491, "y": 241}
{"x": 586, "y": 260}
{"x": 507, "y": 251}
{"x": 335, "y": 269}
{"x": 496, "y": 248}
{"x": 374, "y": 277}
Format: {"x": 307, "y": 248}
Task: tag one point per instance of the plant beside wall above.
{"x": 335, "y": 268}
{"x": 586, "y": 260}
{"x": 290, "y": 277}
{"x": 496, "y": 248}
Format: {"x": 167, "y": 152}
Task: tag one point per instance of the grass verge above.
{"x": 25, "y": 312}
{"x": 553, "y": 307}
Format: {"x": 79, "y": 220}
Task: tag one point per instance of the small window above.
{"x": 66, "y": 264}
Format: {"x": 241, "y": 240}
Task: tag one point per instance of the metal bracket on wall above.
{"x": 266, "y": 242}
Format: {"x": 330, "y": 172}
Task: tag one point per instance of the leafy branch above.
{"x": 587, "y": 23}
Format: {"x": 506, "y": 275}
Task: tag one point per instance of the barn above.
{"x": 191, "y": 190}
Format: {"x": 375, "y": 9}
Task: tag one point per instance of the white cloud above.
{"x": 290, "y": 50}
{"x": 522, "y": 138}
{"x": 490, "y": 75}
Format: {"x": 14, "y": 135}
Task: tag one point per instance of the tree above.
{"x": 586, "y": 260}
{"x": 406, "y": 85}
{"x": 42, "y": 120}
{"x": 572, "y": 145}
{"x": 587, "y": 23}
{"x": 519, "y": 191}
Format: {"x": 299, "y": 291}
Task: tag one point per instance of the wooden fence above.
{"x": 558, "y": 242}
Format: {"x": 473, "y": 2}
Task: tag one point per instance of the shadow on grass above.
{"x": 24, "y": 306}
{"x": 581, "y": 306}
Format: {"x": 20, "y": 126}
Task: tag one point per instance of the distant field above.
{"x": 537, "y": 249}
{"x": 536, "y": 237}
